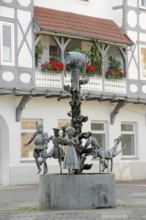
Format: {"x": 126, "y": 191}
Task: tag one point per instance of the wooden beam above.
{"x": 115, "y": 111}
{"x": 21, "y": 106}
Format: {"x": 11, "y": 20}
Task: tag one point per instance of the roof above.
{"x": 79, "y": 26}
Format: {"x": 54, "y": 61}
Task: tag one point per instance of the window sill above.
{"x": 83, "y": 2}
{"x": 142, "y": 7}
{"x": 27, "y": 160}
{"x": 129, "y": 158}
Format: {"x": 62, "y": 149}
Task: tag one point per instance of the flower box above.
{"x": 91, "y": 71}
{"x": 52, "y": 67}
{"x": 115, "y": 74}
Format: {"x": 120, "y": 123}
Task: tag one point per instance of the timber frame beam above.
{"x": 115, "y": 111}
{"x": 21, "y": 106}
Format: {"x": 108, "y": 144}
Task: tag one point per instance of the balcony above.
{"x": 97, "y": 85}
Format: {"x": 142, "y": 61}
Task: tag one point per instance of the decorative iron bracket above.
{"x": 115, "y": 111}
{"x": 21, "y": 106}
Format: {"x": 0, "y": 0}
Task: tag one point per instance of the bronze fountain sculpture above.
{"x": 82, "y": 191}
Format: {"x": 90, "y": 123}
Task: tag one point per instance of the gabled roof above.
{"x": 79, "y": 26}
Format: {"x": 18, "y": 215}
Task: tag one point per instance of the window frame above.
{"x": 12, "y": 62}
{"x": 135, "y": 134}
{"x": 83, "y": 2}
{"x": 28, "y": 130}
{"x": 63, "y": 122}
{"x": 142, "y": 6}
{"x": 104, "y": 131}
{"x": 51, "y": 57}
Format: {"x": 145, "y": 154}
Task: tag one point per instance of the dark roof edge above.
{"x": 82, "y": 37}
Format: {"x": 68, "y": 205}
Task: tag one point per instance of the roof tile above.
{"x": 67, "y": 23}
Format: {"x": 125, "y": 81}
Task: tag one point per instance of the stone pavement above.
{"x": 21, "y": 203}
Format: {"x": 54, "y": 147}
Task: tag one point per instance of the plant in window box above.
{"x": 88, "y": 70}
{"x": 38, "y": 53}
{"x": 95, "y": 58}
{"x": 91, "y": 70}
{"x": 115, "y": 74}
{"x": 114, "y": 71}
{"x": 52, "y": 66}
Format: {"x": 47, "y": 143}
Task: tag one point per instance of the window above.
{"x": 128, "y": 132}
{"x": 143, "y": 62}
{"x": 98, "y": 130}
{"x": 143, "y": 3}
{"x": 28, "y": 127}
{"x": 7, "y": 43}
{"x": 53, "y": 53}
{"x": 63, "y": 122}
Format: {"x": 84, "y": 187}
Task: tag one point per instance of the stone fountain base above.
{"x": 85, "y": 191}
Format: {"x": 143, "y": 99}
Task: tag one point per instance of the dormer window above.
{"x": 7, "y": 43}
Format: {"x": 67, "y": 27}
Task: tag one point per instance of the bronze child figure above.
{"x": 71, "y": 161}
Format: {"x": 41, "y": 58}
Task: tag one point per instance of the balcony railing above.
{"x": 96, "y": 84}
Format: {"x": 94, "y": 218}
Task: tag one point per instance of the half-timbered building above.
{"x": 112, "y": 35}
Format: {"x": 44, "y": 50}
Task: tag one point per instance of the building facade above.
{"x": 35, "y": 32}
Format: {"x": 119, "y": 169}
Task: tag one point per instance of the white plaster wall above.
{"x": 125, "y": 171}
{"x": 24, "y": 56}
{"x": 24, "y": 3}
{"x": 126, "y": 168}
{"x": 4, "y": 152}
{"x": 9, "y": 129}
{"x": 142, "y": 18}
{"x": 132, "y": 18}
{"x": 142, "y": 36}
{"x": 132, "y": 3}
{"x": 133, "y": 21}
{"x": 133, "y": 71}
{"x": 116, "y": 2}
{"x": 6, "y": 12}
{"x": 92, "y": 8}
{"x": 50, "y": 110}
{"x": 45, "y": 41}
{"x": 8, "y": 112}
{"x": 117, "y": 14}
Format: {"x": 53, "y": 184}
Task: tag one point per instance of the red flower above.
{"x": 90, "y": 69}
{"x": 112, "y": 73}
{"x": 52, "y": 66}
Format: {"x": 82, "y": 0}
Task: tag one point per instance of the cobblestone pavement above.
{"x": 21, "y": 203}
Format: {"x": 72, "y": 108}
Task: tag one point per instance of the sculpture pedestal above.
{"x": 85, "y": 191}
